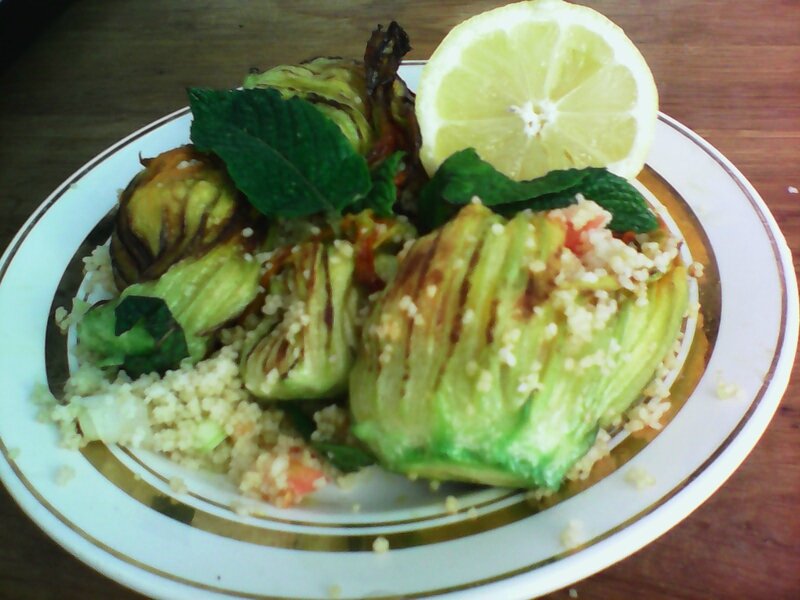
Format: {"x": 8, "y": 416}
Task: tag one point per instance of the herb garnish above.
{"x": 137, "y": 333}
{"x": 150, "y": 319}
{"x": 290, "y": 160}
{"x": 283, "y": 154}
{"x": 465, "y": 175}
{"x": 382, "y": 196}
{"x": 344, "y": 457}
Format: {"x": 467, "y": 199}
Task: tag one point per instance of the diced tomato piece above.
{"x": 302, "y": 478}
{"x": 574, "y": 237}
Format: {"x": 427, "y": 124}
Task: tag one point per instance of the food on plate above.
{"x": 501, "y": 347}
{"x": 305, "y": 346}
{"x": 367, "y": 101}
{"x": 297, "y": 298}
{"x": 181, "y": 204}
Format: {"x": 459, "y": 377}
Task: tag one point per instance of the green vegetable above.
{"x": 345, "y": 458}
{"x": 154, "y": 318}
{"x": 471, "y": 382}
{"x": 319, "y": 137}
{"x": 307, "y": 350}
{"x": 207, "y": 292}
{"x": 383, "y": 194}
{"x": 627, "y": 206}
{"x": 335, "y": 86}
{"x": 302, "y": 422}
{"x": 153, "y": 325}
{"x": 208, "y": 435}
{"x": 181, "y": 204}
{"x": 284, "y": 155}
{"x": 138, "y": 333}
{"x": 465, "y": 175}
{"x": 366, "y": 99}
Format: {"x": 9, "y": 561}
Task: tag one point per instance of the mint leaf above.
{"x": 383, "y": 193}
{"x": 137, "y": 333}
{"x": 464, "y": 175}
{"x": 288, "y": 158}
{"x": 343, "y": 457}
{"x": 152, "y": 312}
{"x": 627, "y": 206}
{"x": 96, "y": 333}
{"x": 151, "y": 315}
{"x": 432, "y": 208}
{"x": 302, "y": 422}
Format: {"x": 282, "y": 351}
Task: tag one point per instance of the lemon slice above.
{"x": 537, "y": 86}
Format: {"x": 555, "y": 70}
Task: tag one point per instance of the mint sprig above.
{"x": 383, "y": 193}
{"x": 137, "y": 333}
{"x": 149, "y": 316}
{"x": 344, "y": 457}
{"x": 287, "y": 158}
{"x": 465, "y": 175}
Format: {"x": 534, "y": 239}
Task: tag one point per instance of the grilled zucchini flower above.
{"x": 181, "y": 251}
{"x": 502, "y": 347}
{"x": 304, "y": 348}
{"x": 181, "y": 204}
{"x": 372, "y": 106}
{"x": 318, "y": 291}
{"x": 175, "y": 316}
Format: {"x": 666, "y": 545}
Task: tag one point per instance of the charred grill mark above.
{"x": 435, "y": 278}
{"x": 276, "y": 265}
{"x": 123, "y": 262}
{"x": 280, "y": 354}
{"x": 458, "y": 313}
{"x": 327, "y": 315}
{"x": 284, "y": 373}
{"x": 162, "y": 234}
{"x": 243, "y": 216}
{"x": 492, "y": 321}
{"x": 529, "y": 298}
{"x": 173, "y": 245}
{"x": 137, "y": 260}
{"x": 198, "y": 241}
{"x": 135, "y": 249}
{"x": 409, "y": 265}
{"x": 463, "y": 293}
{"x": 365, "y": 273}
{"x": 427, "y": 259}
{"x": 119, "y": 256}
{"x": 423, "y": 263}
{"x": 537, "y": 289}
{"x": 327, "y": 100}
{"x": 314, "y": 251}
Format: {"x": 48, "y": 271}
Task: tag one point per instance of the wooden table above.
{"x": 730, "y": 70}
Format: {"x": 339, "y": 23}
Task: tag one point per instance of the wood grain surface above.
{"x": 728, "y": 69}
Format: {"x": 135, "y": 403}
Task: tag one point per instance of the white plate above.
{"x": 116, "y": 513}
